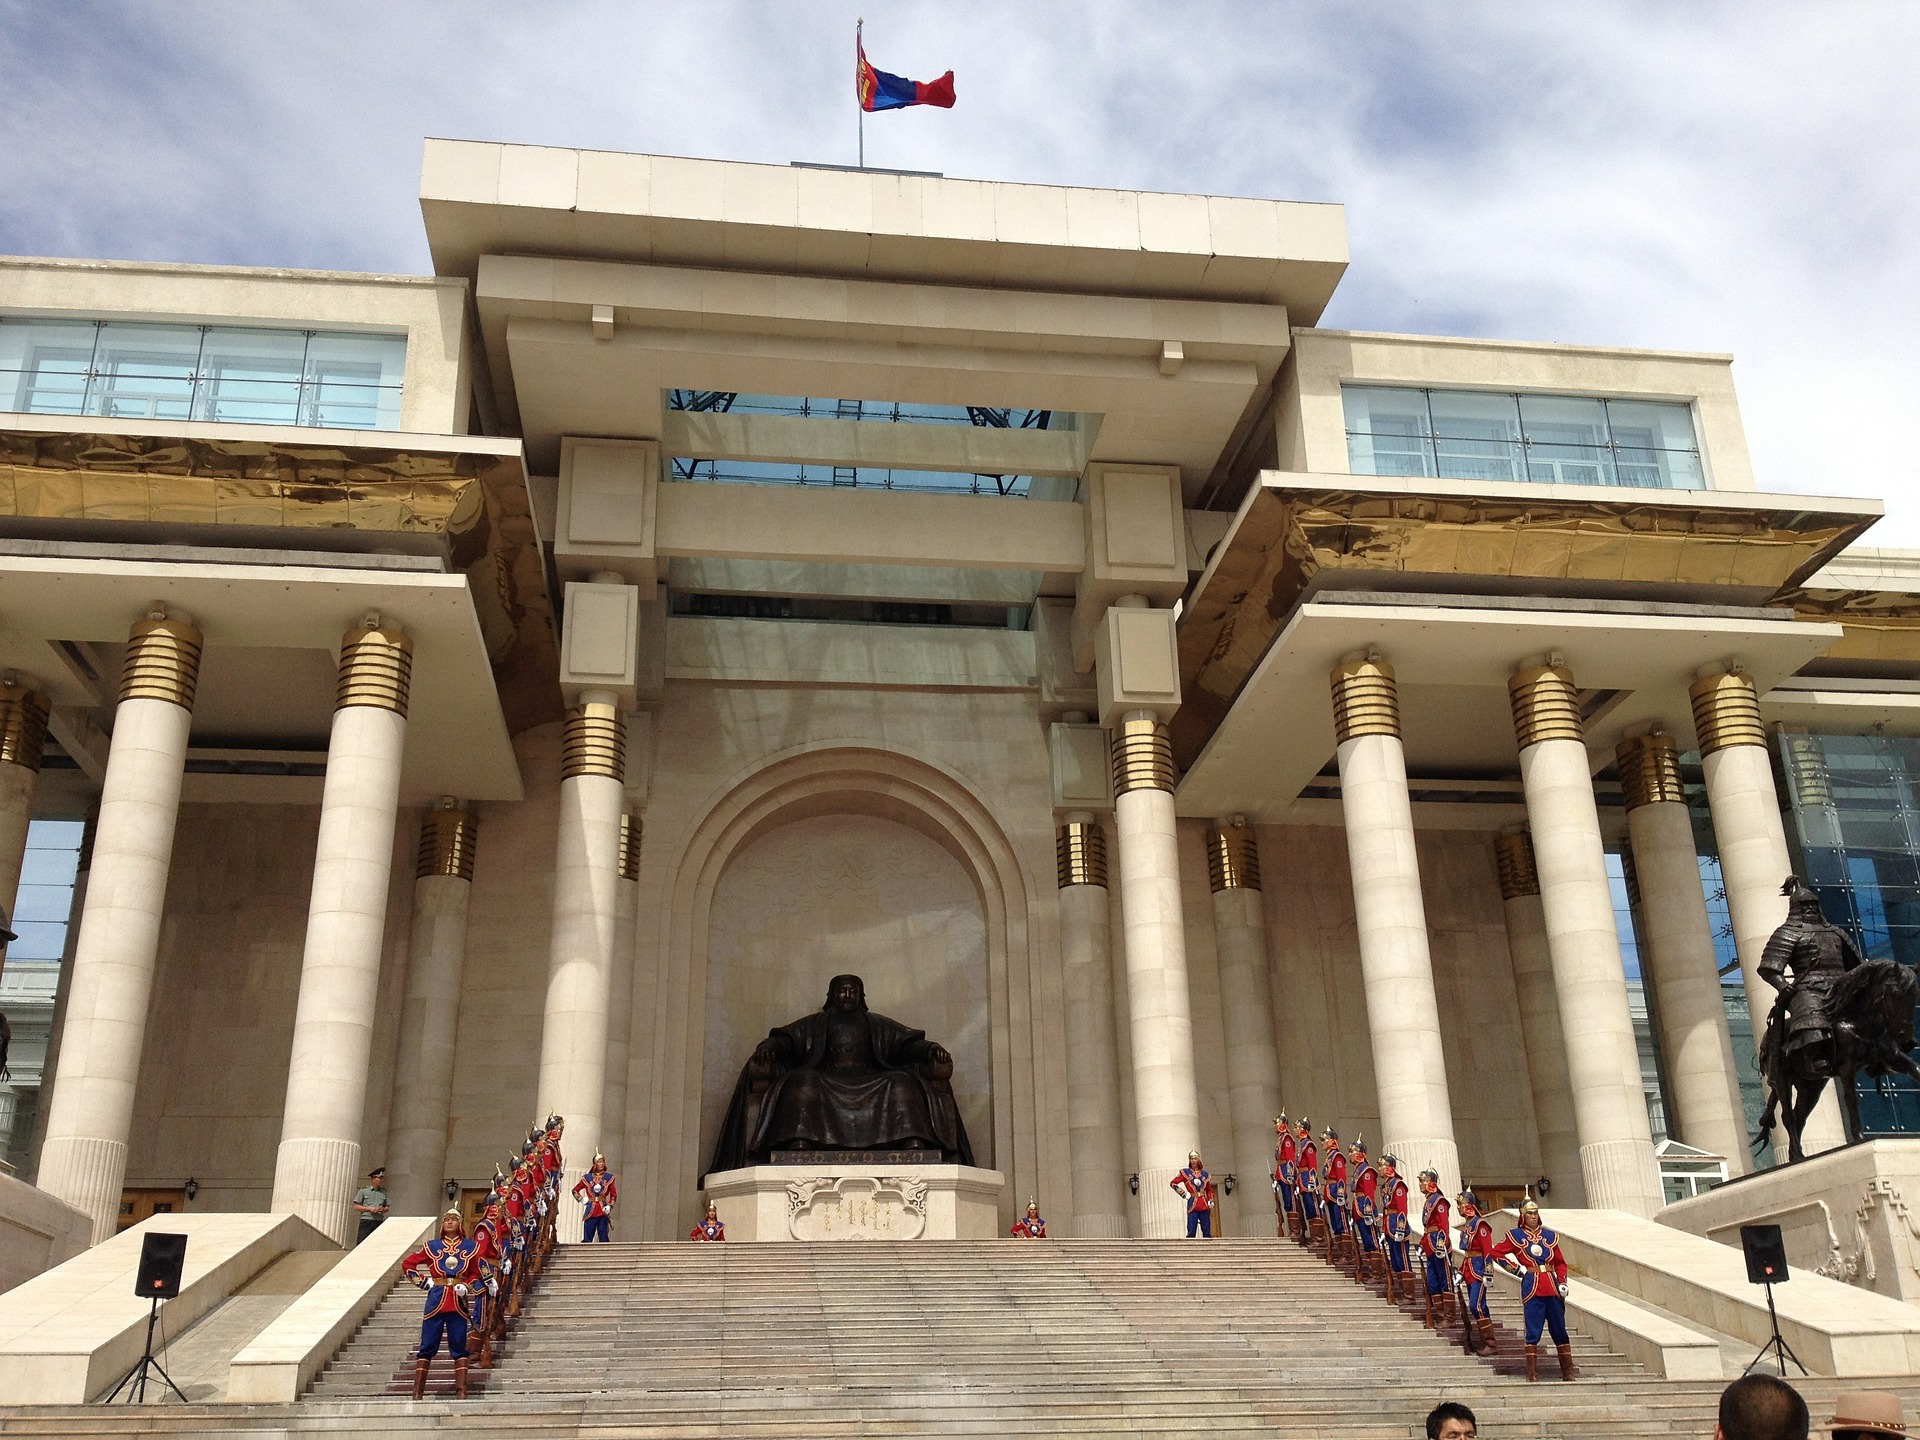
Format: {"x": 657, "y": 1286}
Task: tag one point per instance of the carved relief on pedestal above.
{"x": 857, "y": 1207}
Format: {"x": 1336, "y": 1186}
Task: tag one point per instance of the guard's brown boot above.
{"x": 1566, "y": 1361}
{"x": 1486, "y": 1334}
{"x": 1428, "y": 1322}
{"x": 460, "y": 1377}
{"x": 1533, "y": 1362}
{"x": 420, "y": 1377}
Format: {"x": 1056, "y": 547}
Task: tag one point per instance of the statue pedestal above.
{"x": 1851, "y": 1214}
{"x": 828, "y": 1201}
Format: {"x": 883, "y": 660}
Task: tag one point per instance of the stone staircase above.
{"x": 1089, "y": 1337}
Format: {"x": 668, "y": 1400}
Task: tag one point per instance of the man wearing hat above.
{"x": 1532, "y": 1252}
{"x": 1436, "y": 1246}
{"x": 1333, "y": 1192}
{"x": 1309, "y": 1179}
{"x": 1286, "y": 1172}
{"x": 1476, "y": 1246}
{"x": 598, "y": 1190}
{"x": 1195, "y": 1184}
{"x": 1366, "y": 1206}
{"x": 1868, "y": 1415}
{"x": 449, "y": 1269}
{"x": 370, "y": 1203}
{"x": 1393, "y": 1210}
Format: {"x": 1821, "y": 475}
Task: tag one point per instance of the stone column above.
{"x": 1093, "y": 1066}
{"x": 1166, "y": 1098}
{"x": 586, "y": 897}
{"x": 1540, "y": 1031}
{"x": 318, "y": 1165}
{"x": 613, "y": 1124}
{"x": 436, "y": 952}
{"x": 1403, "y": 1013}
{"x": 1753, "y": 853}
{"x": 84, "y": 1160}
{"x": 23, "y": 736}
{"x": 1246, "y": 1006}
{"x": 1589, "y": 976}
{"x": 1682, "y": 969}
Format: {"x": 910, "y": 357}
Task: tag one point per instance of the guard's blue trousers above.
{"x": 1309, "y": 1205}
{"x": 1436, "y": 1275}
{"x": 452, "y": 1326}
{"x": 1549, "y": 1311}
{"x": 1397, "y": 1254}
{"x": 1369, "y": 1240}
{"x": 1336, "y": 1220}
{"x": 1200, "y": 1220}
{"x": 1477, "y": 1299}
{"x": 596, "y": 1229}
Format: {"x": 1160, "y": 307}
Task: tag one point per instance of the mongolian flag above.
{"x": 880, "y": 91}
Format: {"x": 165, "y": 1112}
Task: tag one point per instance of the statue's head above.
{"x": 1802, "y": 902}
{"x": 846, "y": 992}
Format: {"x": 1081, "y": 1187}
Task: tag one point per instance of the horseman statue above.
{"x": 1837, "y": 1015}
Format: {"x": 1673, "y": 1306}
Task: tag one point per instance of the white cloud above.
{"x": 1716, "y": 176}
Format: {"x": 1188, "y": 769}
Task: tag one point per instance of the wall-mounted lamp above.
{"x": 1543, "y": 1187}
{"x": 452, "y": 1188}
{"x": 1133, "y": 1182}
{"x": 192, "y": 1187}
{"x": 1230, "y": 1181}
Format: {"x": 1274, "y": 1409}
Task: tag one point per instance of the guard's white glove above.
{"x": 1563, "y": 1291}
{"x": 461, "y": 1291}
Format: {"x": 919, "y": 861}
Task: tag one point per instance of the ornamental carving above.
{"x": 857, "y": 1207}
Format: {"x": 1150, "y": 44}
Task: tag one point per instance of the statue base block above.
{"x": 831, "y": 1199}
{"x": 1851, "y": 1214}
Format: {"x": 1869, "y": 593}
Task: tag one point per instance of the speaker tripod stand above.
{"x": 135, "y": 1381}
{"x": 1776, "y": 1346}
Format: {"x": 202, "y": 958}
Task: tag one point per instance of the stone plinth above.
{"x": 1847, "y": 1214}
{"x": 858, "y": 1202}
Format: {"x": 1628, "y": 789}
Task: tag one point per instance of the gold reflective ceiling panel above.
{"x": 475, "y": 504}
{"x": 1288, "y": 541}
{"x": 1879, "y": 625}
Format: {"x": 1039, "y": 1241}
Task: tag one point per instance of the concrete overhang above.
{"x": 1298, "y": 536}
{"x": 479, "y": 198}
{"x": 457, "y": 741}
{"x": 1634, "y": 667}
{"x": 1103, "y": 358}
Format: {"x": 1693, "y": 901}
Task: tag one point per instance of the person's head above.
{"x": 1389, "y": 1166}
{"x": 1803, "y": 903}
{"x": 1193, "y": 1159}
{"x": 378, "y": 1176}
{"x": 1332, "y": 1137}
{"x": 1529, "y": 1215}
{"x": 846, "y": 992}
{"x": 452, "y": 1227}
{"x": 1868, "y": 1415}
{"x": 1359, "y": 1148}
{"x": 1450, "y": 1420}
{"x": 1468, "y": 1205}
{"x": 1280, "y": 1126}
{"x": 599, "y": 1163}
{"x": 1033, "y": 1207}
{"x": 1304, "y": 1129}
{"x": 1762, "y": 1407}
{"x": 713, "y": 1211}
{"x": 1429, "y": 1182}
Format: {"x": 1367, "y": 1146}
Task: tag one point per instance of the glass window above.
{"x": 1549, "y": 439}
{"x": 45, "y": 900}
{"x": 229, "y": 373}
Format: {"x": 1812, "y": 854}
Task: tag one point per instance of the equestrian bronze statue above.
{"x": 1837, "y": 1015}
{"x": 846, "y": 1081}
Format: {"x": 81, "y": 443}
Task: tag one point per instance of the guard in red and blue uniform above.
{"x": 1333, "y": 1189}
{"x": 1195, "y": 1184}
{"x": 710, "y": 1229}
{"x": 599, "y": 1190}
{"x": 1476, "y": 1253}
{"x": 1030, "y": 1226}
{"x": 1286, "y": 1173}
{"x": 1366, "y": 1205}
{"x": 1308, "y": 1175}
{"x": 1436, "y": 1246}
{"x": 449, "y": 1269}
{"x": 1532, "y": 1252}
{"x": 1393, "y": 1209}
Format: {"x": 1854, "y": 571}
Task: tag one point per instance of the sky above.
{"x": 1728, "y": 177}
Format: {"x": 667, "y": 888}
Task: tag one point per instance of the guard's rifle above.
{"x": 1462, "y": 1297}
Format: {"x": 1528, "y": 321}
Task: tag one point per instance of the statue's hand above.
{"x": 938, "y": 1063}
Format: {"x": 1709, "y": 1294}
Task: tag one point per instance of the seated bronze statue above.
{"x": 843, "y": 1080}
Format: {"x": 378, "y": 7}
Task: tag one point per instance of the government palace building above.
{"x": 429, "y": 703}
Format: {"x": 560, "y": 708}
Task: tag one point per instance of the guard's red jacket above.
{"x": 1310, "y": 1166}
{"x": 1196, "y": 1186}
{"x": 1398, "y": 1226}
{"x": 1366, "y": 1187}
{"x": 1335, "y": 1187}
{"x": 1539, "y": 1256}
{"x": 599, "y": 1191}
{"x": 446, "y": 1264}
{"x": 1284, "y": 1155}
{"x": 1476, "y": 1242}
{"x": 1436, "y": 1219}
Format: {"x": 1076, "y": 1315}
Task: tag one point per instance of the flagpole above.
{"x": 858, "y": 109}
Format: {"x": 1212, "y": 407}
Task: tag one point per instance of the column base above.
{"x": 87, "y": 1173}
{"x": 315, "y": 1179}
{"x": 570, "y": 1219}
{"x": 1163, "y": 1211}
{"x": 1622, "y": 1175}
{"x": 1438, "y": 1155}
{"x": 1098, "y": 1227}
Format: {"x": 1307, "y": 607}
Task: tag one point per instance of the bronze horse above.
{"x": 1872, "y": 1007}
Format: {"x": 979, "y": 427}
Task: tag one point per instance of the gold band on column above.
{"x": 163, "y": 662}
{"x": 596, "y": 742}
{"x": 1649, "y": 770}
{"x": 1142, "y": 757}
{"x": 1726, "y": 712}
{"x": 629, "y": 846}
{"x": 1366, "y": 700}
{"x": 23, "y": 726}
{"x": 376, "y": 669}
{"x": 448, "y": 840}
{"x": 1807, "y": 769}
{"x": 1546, "y": 706}
{"x": 1514, "y": 855}
{"x": 1233, "y": 857}
{"x": 1080, "y": 847}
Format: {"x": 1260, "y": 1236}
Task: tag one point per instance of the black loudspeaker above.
{"x": 1766, "y": 1254}
{"x": 163, "y": 1257}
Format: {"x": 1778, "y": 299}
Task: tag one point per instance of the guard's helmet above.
{"x": 1466, "y": 1198}
{"x": 1529, "y": 1207}
{"x": 1433, "y": 1175}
